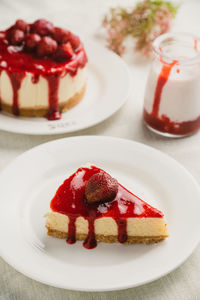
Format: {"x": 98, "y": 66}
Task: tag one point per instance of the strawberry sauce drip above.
{"x": 122, "y": 231}
{"x": 16, "y": 80}
{"x": 72, "y": 231}
{"x": 53, "y": 85}
{"x": 70, "y": 201}
{"x": 17, "y": 63}
{"x": 90, "y": 242}
{"x": 35, "y": 78}
{"x": 162, "y": 80}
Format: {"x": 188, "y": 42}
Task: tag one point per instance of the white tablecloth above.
{"x": 84, "y": 17}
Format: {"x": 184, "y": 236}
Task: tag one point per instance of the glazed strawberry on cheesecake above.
{"x": 92, "y": 206}
{"x": 42, "y": 69}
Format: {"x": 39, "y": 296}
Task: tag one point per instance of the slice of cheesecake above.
{"x": 92, "y": 206}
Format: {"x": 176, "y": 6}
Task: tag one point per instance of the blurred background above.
{"x": 85, "y": 16}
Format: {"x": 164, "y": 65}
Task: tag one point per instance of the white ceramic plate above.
{"x": 30, "y": 181}
{"x": 108, "y": 87}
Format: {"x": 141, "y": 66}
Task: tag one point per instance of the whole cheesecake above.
{"x": 92, "y": 206}
{"x": 42, "y": 70}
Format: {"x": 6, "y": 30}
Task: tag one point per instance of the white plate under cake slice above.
{"x": 92, "y": 206}
{"x": 147, "y": 172}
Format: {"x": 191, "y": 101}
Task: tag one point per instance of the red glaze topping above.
{"x": 70, "y": 200}
{"x": 38, "y": 49}
{"x": 163, "y": 123}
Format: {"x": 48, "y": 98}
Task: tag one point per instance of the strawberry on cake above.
{"x": 42, "y": 69}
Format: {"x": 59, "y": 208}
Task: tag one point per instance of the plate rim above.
{"x": 7, "y": 259}
{"x": 90, "y": 45}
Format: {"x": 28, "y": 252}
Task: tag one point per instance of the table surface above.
{"x": 183, "y": 283}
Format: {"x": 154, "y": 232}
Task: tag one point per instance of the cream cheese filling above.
{"x": 107, "y": 226}
{"x": 35, "y": 95}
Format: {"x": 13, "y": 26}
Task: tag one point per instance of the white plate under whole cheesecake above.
{"x": 152, "y": 175}
{"x": 108, "y": 86}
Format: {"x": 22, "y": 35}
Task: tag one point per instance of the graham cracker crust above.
{"x": 109, "y": 238}
{"x": 42, "y": 111}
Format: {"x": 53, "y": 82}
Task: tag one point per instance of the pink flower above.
{"x": 145, "y": 22}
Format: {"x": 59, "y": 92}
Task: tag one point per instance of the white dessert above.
{"x": 73, "y": 216}
{"x": 180, "y": 95}
{"x": 107, "y": 226}
{"x": 42, "y": 69}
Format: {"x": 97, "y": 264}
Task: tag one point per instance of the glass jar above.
{"x": 172, "y": 97}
